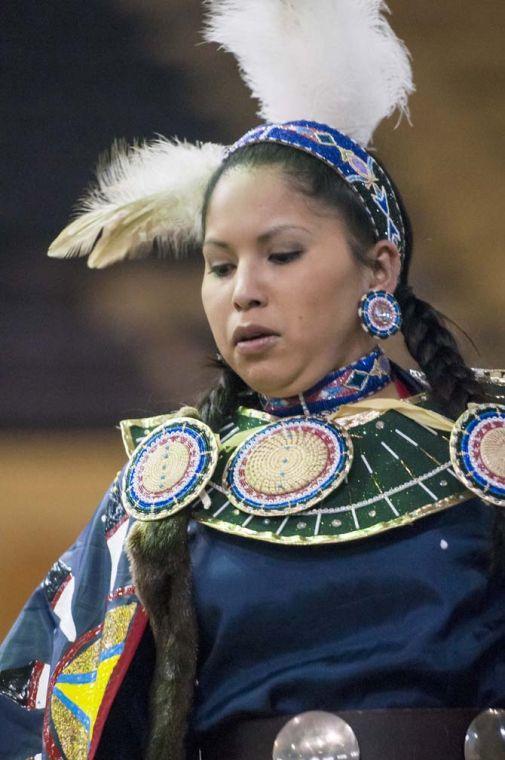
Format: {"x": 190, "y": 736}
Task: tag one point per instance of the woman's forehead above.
{"x": 259, "y": 201}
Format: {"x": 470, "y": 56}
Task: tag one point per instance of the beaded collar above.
{"x": 356, "y": 381}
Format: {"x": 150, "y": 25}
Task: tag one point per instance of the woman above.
{"x": 318, "y": 458}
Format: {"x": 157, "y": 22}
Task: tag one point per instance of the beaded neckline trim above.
{"x": 354, "y": 382}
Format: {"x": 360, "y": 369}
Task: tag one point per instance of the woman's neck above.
{"x": 369, "y": 375}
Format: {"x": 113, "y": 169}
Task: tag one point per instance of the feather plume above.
{"x": 337, "y": 62}
{"x": 145, "y": 196}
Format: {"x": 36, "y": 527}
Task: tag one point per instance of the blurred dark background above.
{"x": 81, "y": 349}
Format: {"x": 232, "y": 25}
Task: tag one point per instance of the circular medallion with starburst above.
{"x": 169, "y": 468}
{"x": 380, "y": 314}
{"x": 478, "y": 450}
{"x": 288, "y": 466}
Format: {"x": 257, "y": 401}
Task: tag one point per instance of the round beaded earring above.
{"x": 380, "y": 313}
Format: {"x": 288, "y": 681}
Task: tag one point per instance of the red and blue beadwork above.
{"x": 356, "y": 381}
{"x": 288, "y": 466}
{"x": 478, "y": 451}
{"x": 169, "y": 468}
{"x": 380, "y": 313}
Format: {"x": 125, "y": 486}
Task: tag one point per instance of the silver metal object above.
{"x": 485, "y": 738}
{"x": 316, "y": 735}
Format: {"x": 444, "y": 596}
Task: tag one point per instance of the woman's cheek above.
{"x": 215, "y": 309}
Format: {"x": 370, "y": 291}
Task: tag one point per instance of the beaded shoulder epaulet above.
{"x": 493, "y": 381}
{"x": 134, "y": 431}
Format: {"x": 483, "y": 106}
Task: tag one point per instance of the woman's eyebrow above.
{"x": 263, "y": 238}
{"x": 211, "y": 241}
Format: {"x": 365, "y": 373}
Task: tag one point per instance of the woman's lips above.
{"x": 253, "y": 338}
{"x": 256, "y": 345}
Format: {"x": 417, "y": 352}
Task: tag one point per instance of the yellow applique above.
{"x": 79, "y": 689}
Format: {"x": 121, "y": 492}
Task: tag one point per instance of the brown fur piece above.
{"x": 161, "y": 571}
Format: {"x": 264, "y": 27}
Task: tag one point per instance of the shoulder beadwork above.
{"x": 133, "y": 431}
{"x": 477, "y": 447}
{"x": 493, "y": 381}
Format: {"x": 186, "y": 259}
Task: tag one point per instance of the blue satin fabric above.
{"x": 410, "y": 618}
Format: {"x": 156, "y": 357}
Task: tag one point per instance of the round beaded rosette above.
{"x": 288, "y": 466}
{"x": 380, "y": 313}
{"x": 169, "y": 468}
{"x": 478, "y": 451}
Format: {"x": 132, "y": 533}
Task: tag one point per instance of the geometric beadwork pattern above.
{"x": 169, "y": 468}
{"x": 350, "y": 160}
{"x": 354, "y": 382}
{"x": 478, "y": 450}
{"x": 287, "y": 466}
{"x": 380, "y": 314}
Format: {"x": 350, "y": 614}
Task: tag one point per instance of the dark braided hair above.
{"x": 428, "y": 340}
{"x": 223, "y": 397}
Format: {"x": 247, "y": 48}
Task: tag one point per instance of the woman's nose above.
{"x": 248, "y": 291}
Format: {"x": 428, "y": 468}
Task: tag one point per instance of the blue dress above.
{"x": 410, "y": 618}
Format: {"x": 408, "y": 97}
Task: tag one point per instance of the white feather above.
{"x": 146, "y": 195}
{"x": 333, "y": 61}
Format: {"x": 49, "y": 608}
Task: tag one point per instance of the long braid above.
{"x": 159, "y": 558}
{"x": 430, "y": 342}
{"x": 224, "y": 396}
{"x": 453, "y": 384}
{"x": 434, "y": 348}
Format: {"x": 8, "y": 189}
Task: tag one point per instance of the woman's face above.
{"x": 281, "y": 287}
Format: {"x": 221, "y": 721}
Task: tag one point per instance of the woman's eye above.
{"x": 220, "y": 270}
{"x": 286, "y": 257}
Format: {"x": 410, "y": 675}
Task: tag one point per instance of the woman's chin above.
{"x": 267, "y": 380}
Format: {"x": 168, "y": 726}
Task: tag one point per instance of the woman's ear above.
{"x": 385, "y": 265}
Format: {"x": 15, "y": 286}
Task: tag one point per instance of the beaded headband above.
{"x": 352, "y": 162}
